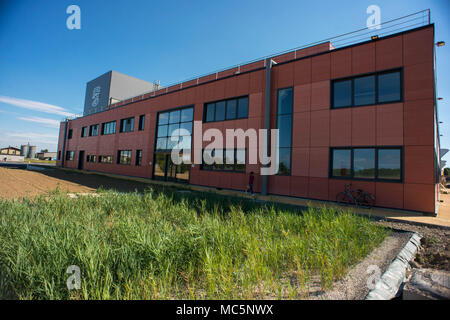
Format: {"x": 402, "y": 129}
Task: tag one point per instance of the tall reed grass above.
{"x": 171, "y": 246}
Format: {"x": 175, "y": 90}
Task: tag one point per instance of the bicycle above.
{"x": 355, "y": 197}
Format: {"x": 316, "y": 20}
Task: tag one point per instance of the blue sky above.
{"x": 44, "y": 66}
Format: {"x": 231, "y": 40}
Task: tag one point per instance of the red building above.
{"x": 363, "y": 114}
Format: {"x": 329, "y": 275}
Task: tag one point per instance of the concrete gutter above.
{"x": 388, "y": 285}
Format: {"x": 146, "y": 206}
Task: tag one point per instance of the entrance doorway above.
{"x": 81, "y": 160}
{"x": 165, "y": 169}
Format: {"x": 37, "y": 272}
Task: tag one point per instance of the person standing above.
{"x": 251, "y": 181}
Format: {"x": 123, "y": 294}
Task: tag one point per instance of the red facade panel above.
{"x": 316, "y": 127}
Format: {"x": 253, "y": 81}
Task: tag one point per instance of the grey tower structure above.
{"x": 113, "y": 87}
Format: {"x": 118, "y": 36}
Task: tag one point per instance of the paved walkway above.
{"x": 443, "y": 218}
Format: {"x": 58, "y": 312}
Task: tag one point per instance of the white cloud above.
{"x": 36, "y": 106}
{"x": 48, "y": 122}
{"x": 41, "y": 140}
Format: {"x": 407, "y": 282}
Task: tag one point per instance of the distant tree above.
{"x": 44, "y": 150}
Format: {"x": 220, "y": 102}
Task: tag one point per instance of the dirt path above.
{"x": 19, "y": 183}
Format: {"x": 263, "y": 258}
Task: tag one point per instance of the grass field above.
{"x": 174, "y": 245}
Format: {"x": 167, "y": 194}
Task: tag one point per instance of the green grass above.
{"x": 172, "y": 245}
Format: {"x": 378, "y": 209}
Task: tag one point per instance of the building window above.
{"x": 341, "y": 163}
{"x": 382, "y": 87}
{"x": 69, "y": 134}
{"x": 230, "y": 109}
{"x": 138, "y": 157}
{"x": 93, "y": 130}
{"x": 105, "y": 159}
{"x": 127, "y": 125}
{"x": 141, "y": 122}
{"x": 364, "y": 163}
{"x": 389, "y": 164}
{"x": 377, "y": 163}
{"x": 59, "y": 155}
{"x": 84, "y": 132}
{"x": 284, "y": 125}
{"x": 389, "y": 87}
{"x": 175, "y": 127}
{"x": 342, "y": 93}
{"x": 364, "y": 91}
{"x": 91, "y": 158}
{"x": 109, "y": 128}
{"x": 70, "y": 155}
{"x": 124, "y": 157}
{"x": 224, "y": 160}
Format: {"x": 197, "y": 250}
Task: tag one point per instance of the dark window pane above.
{"x": 389, "y": 164}
{"x": 162, "y": 131}
{"x": 389, "y": 87}
{"x": 341, "y": 166}
{"x": 163, "y": 118}
{"x": 285, "y": 101}
{"x": 342, "y": 93}
{"x": 364, "y": 163}
{"x": 285, "y": 130}
{"x": 160, "y": 165}
{"x": 141, "y": 122}
{"x": 210, "y": 112}
{"x": 364, "y": 90}
{"x": 243, "y": 108}
{"x": 187, "y": 114}
{"x": 220, "y": 111}
{"x": 231, "y": 109}
{"x": 285, "y": 161}
{"x": 174, "y": 116}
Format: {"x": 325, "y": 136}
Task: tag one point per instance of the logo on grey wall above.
{"x": 96, "y": 96}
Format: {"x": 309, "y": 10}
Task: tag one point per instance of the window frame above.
{"x": 139, "y": 157}
{"x": 155, "y": 146}
{"x": 141, "y": 124}
{"x": 99, "y": 159}
{"x": 70, "y": 155}
{"x": 84, "y": 132}
{"x": 375, "y": 179}
{"x": 376, "y": 74}
{"x": 119, "y": 157}
{"x": 91, "y": 129}
{"x": 104, "y": 124}
{"x": 121, "y": 126}
{"x": 203, "y": 168}
{"x": 292, "y": 127}
{"x": 226, "y": 109}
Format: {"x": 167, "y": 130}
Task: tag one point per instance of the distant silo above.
{"x": 32, "y": 152}
{"x": 24, "y": 150}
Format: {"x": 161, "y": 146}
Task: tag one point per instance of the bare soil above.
{"x": 19, "y": 183}
{"x": 435, "y": 251}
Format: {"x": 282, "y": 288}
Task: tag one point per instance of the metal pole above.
{"x": 268, "y": 64}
